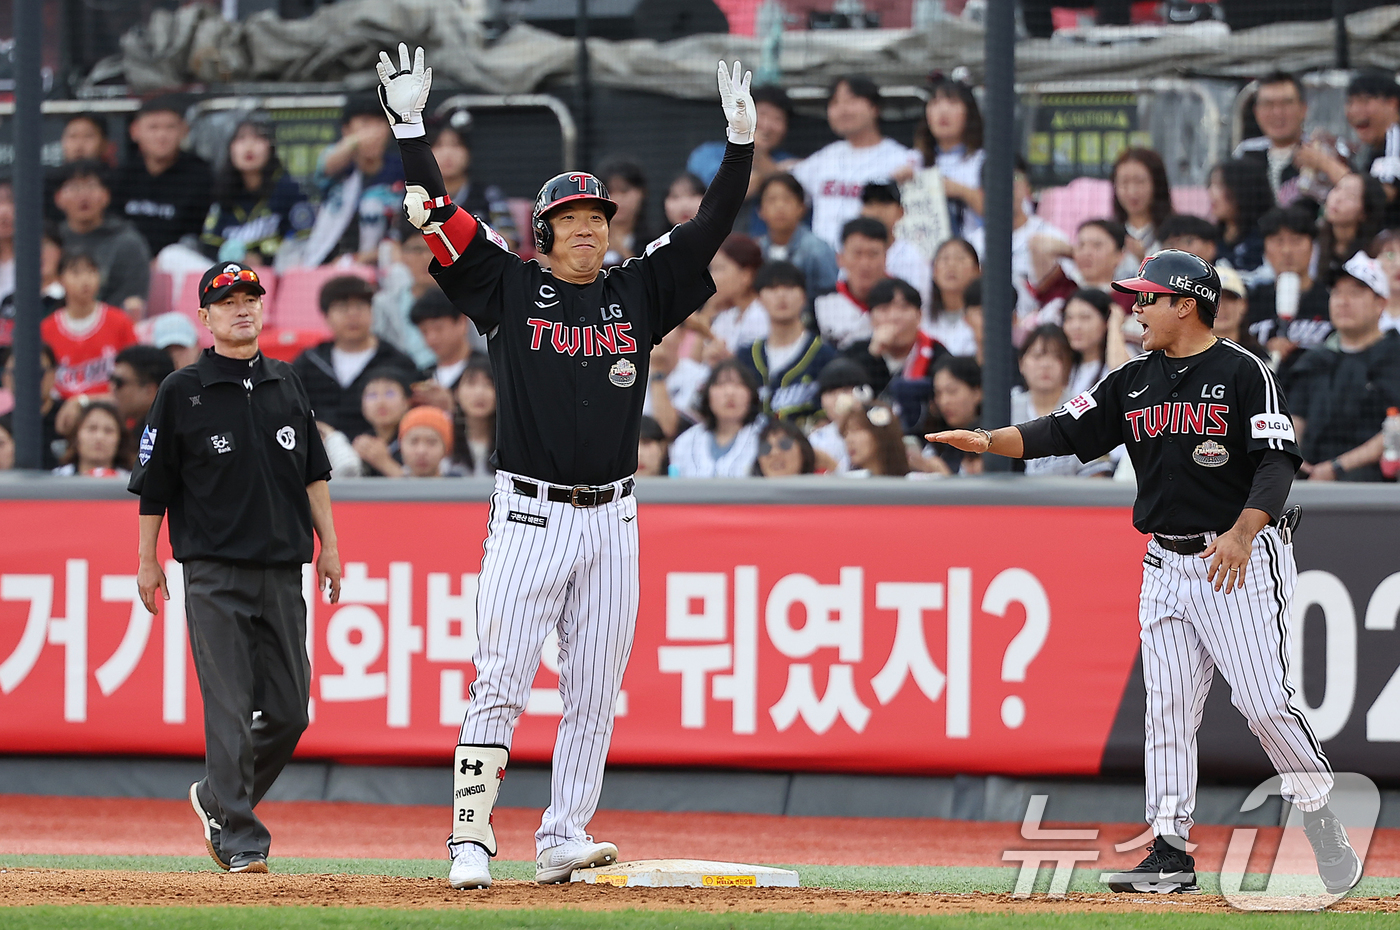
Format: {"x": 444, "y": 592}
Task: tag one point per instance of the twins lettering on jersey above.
{"x": 1179, "y": 418}
{"x": 611, "y": 339}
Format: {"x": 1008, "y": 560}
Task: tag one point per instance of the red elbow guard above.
{"x": 450, "y": 238}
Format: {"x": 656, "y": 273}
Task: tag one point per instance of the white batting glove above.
{"x": 738, "y": 103}
{"x": 403, "y": 91}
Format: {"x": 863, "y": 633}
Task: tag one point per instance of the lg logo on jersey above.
{"x": 1213, "y": 391}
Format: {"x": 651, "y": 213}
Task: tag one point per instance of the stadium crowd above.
{"x": 834, "y": 341}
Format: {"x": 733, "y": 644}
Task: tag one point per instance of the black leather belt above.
{"x": 582, "y": 495}
{"x": 1286, "y": 523}
{"x": 1191, "y": 545}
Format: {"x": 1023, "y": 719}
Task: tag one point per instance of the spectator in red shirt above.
{"x": 85, "y": 334}
{"x": 1093, "y": 261}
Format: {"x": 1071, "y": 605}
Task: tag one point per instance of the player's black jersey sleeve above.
{"x": 1272, "y": 481}
{"x": 675, "y": 268}
{"x": 1089, "y": 425}
{"x": 487, "y": 283}
{"x": 420, "y": 167}
{"x": 1270, "y": 425}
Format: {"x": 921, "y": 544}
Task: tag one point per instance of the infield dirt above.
{"x": 203, "y": 889}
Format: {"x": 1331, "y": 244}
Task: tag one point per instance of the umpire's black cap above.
{"x": 220, "y": 280}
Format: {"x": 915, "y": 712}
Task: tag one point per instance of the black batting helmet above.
{"x": 1172, "y": 271}
{"x": 561, "y": 189}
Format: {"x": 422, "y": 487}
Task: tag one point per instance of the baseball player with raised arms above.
{"x": 1210, "y": 437}
{"x": 570, "y": 349}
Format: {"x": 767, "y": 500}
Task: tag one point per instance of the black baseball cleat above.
{"x": 1166, "y": 870}
{"x": 212, "y": 829}
{"x": 248, "y": 862}
{"x": 1337, "y": 862}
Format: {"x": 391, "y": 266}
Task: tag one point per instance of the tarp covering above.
{"x": 341, "y": 42}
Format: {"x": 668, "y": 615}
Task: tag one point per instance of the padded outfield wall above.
{"x": 807, "y": 625}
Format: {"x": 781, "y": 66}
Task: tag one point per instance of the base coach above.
{"x": 232, "y": 453}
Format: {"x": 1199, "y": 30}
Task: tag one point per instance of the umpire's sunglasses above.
{"x": 247, "y": 275}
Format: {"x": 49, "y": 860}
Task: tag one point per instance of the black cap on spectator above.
{"x": 779, "y": 274}
{"x": 651, "y": 431}
{"x": 82, "y": 170}
{"x": 880, "y": 192}
{"x": 1294, "y": 218}
{"x": 400, "y": 376}
{"x": 775, "y": 95}
{"x": 1186, "y": 224}
{"x": 231, "y": 275}
{"x": 164, "y": 103}
{"x": 150, "y": 364}
{"x": 1374, "y": 84}
{"x": 885, "y": 290}
{"x": 859, "y": 85}
{"x": 360, "y": 105}
{"x": 842, "y": 373}
{"x": 433, "y": 305}
{"x": 458, "y": 119}
{"x": 866, "y": 226}
{"x": 345, "y": 287}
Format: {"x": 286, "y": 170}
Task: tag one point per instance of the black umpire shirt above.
{"x": 571, "y": 360}
{"x": 228, "y": 450}
{"x": 1208, "y": 435}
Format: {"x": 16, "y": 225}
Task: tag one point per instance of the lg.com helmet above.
{"x": 1172, "y": 271}
{"x": 561, "y": 189}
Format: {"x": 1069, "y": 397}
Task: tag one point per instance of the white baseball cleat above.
{"x": 557, "y": 863}
{"x": 471, "y": 867}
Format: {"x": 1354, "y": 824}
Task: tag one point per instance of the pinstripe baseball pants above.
{"x": 1188, "y": 629}
{"x": 555, "y": 566}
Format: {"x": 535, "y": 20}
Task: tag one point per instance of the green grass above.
{"x": 299, "y": 918}
{"x": 947, "y": 879}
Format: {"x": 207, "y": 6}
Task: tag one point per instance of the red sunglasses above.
{"x": 232, "y": 277}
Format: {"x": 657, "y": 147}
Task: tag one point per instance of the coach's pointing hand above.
{"x": 403, "y": 91}
{"x": 738, "y": 103}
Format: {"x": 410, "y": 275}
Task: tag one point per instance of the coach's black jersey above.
{"x": 1195, "y": 429}
{"x": 571, "y": 361}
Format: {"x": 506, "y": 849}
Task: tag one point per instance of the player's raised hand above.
{"x": 403, "y": 91}
{"x": 738, "y": 103}
{"x": 964, "y": 440}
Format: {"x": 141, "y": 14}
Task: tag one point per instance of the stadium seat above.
{"x": 287, "y": 344}
{"x": 1079, "y": 200}
{"x": 298, "y": 306}
{"x": 1192, "y": 200}
{"x": 160, "y": 293}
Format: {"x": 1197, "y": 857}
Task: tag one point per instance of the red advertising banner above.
{"x": 893, "y": 639}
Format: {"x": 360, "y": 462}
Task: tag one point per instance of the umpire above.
{"x": 231, "y": 452}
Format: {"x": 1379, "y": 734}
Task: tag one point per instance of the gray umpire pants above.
{"x": 248, "y": 635}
